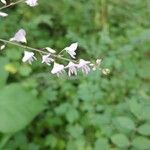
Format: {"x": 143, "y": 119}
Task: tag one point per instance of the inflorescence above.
{"x": 49, "y": 55}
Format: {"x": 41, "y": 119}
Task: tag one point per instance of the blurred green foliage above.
{"x": 85, "y": 113}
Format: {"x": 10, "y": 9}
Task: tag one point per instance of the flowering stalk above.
{"x": 49, "y": 57}
{"x": 48, "y": 54}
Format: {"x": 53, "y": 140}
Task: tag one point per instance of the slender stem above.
{"x": 23, "y": 46}
{"x": 11, "y": 4}
{"x": 35, "y": 49}
{"x": 63, "y": 58}
{"x": 61, "y": 51}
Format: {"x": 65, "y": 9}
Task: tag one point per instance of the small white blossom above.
{"x": 57, "y": 69}
{"x": 4, "y": 2}
{"x": 2, "y": 47}
{"x": 20, "y": 36}
{"x": 98, "y": 61}
{"x": 94, "y": 68}
{"x": 72, "y": 68}
{"x": 50, "y": 50}
{"x": 105, "y": 71}
{"x": 96, "y": 65}
{"x": 47, "y": 59}
{"x": 28, "y": 57}
{"x": 3, "y": 14}
{"x": 84, "y": 66}
{"x": 71, "y": 49}
{"x": 31, "y": 3}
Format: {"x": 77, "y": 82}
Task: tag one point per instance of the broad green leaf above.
{"x": 144, "y": 129}
{"x": 141, "y": 143}
{"x": 146, "y": 112}
{"x": 51, "y": 140}
{"x": 120, "y": 140}
{"x": 124, "y": 123}
{"x": 3, "y": 73}
{"x": 75, "y": 131}
{"x": 136, "y": 108}
{"x": 101, "y": 143}
{"x": 72, "y": 115}
{"x": 17, "y": 108}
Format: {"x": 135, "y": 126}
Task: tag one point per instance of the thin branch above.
{"x": 35, "y": 49}
{"x": 11, "y": 4}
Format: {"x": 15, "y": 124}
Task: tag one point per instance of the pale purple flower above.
{"x": 72, "y": 68}
{"x": 57, "y": 69}
{"x": 28, "y": 57}
{"x": 71, "y": 49}
{"x": 31, "y": 3}
{"x": 47, "y": 59}
{"x": 20, "y": 36}
{"x": 2, "y": 14}
{"x": 84, "y": 66}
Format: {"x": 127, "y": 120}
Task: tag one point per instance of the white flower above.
{"x": 28, "y": 57}
{"x": 105, "y": 71}
{"x": 31, "y": 3}
{"x": 20, "y": 36}
{"x": 98, "y": 61}
{"x": 72, "y": 68}
{"x": 96, "y": 65}
{"x": 50, "y": 50}
{"x": 47, "y": 59}
{"x": 3, "y": 14}
{"x": 4, "y": 2}
{"x": 2, "y": 47}
{"x": 57, "y": 69}
{"x": 84, "y": 66}
{"x": 71, "y": 49}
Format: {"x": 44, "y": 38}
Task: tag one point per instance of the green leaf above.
{"x": 146, "y": 112}
{"x": 51, "y": 140}
{"x": 25, "y": 70}
{"x": 14, "y": 54}
{"x": 3, "y": 73}
{"x": 120, "y": 140}
{"x": 17, "y": 108}
{"x": 124, "y": 123}
{"x": 136, "y": 108}
{"x": 144, "y": 129}
{"x": 72, "y": 115}
{"x": 101, "y": 143}
{"x": 141, "y": 143}
{"x": 75, "y": 131}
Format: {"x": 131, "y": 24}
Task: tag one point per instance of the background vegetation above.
{"x": 84, "y": 113}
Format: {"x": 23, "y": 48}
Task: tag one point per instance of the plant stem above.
{"x": 11, "y": 4}
{"x": 61, "y": 51}
{"x": 22, "y": 46}
{"x": 35, "y": 49}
